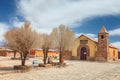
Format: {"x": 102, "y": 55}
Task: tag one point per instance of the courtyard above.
{"x": 76, "y": 70}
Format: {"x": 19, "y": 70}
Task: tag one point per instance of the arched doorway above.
{"x": 83, "y": 55}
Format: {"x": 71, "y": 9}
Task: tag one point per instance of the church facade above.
{"x": 86, "y": 48}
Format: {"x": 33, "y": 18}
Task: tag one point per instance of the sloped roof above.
{"x": 111, "y": 46}
{"x": 88, "y": 37}
{"x": 103, "y": 30}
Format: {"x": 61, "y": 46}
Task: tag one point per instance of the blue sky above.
{"x": 82, "y": 16}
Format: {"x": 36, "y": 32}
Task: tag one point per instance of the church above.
{"x": 85, "y": 48}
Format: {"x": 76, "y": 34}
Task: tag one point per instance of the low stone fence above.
{"x": 67, "y": 55}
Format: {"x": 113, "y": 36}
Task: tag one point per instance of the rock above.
{"x": 45, "y": 65}
{"x": 22, "y": 68}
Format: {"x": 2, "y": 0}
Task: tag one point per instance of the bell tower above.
{"x": 103, "y": 45}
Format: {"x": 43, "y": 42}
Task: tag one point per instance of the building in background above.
{"x": 39, "y": 53}
{"x": 6, "y": 52}
{"x": 119, "y": 55}
{"x": 86, "y": 48}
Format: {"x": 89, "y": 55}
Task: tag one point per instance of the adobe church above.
{"x": 86, "y": 48}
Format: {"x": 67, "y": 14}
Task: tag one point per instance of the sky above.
{"x": 81, "y": 16}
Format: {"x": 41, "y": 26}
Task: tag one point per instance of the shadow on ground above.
{"x": 5, "y": 70}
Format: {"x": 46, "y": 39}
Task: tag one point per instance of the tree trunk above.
{"x": 24, "y": 58}
{"x": 60, "y": 55}
{"x": 21, "y": 55}
{"x": 45, "y": 51}
{"x": 23, "y": 62}
{"x": 14, "y": 54}
{"x": 44, "y": 58}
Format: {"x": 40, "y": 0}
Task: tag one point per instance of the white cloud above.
{"x": 115, "y": 32}
{"x": 16, "y": 22}
{"x": 78, "y": 34}
{"x": 46, "y": 14}
{"x": 116, "y": 44}
{"x": 91, "y": 35}
{"x": 3, "y": 28}
{"x": 88, "y": 34}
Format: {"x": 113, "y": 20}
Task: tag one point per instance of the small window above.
{"x": 83, "y": 41}
{"x": 102, "y": 36}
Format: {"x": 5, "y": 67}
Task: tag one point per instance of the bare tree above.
{"x": 22, "y": 39}
{"x": 63, "y": 39}
{"x": 45, "y": 44}
{"x": 8, "y": 36}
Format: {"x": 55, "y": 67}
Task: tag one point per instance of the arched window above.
{"x": 102, "y": 36}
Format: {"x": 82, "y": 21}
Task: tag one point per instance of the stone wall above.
{"x": 67, "y": 55}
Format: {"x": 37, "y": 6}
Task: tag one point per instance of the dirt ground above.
{"x": 76, "y": 70}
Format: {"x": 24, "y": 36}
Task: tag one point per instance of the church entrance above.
{"x": 83, "y": 55}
